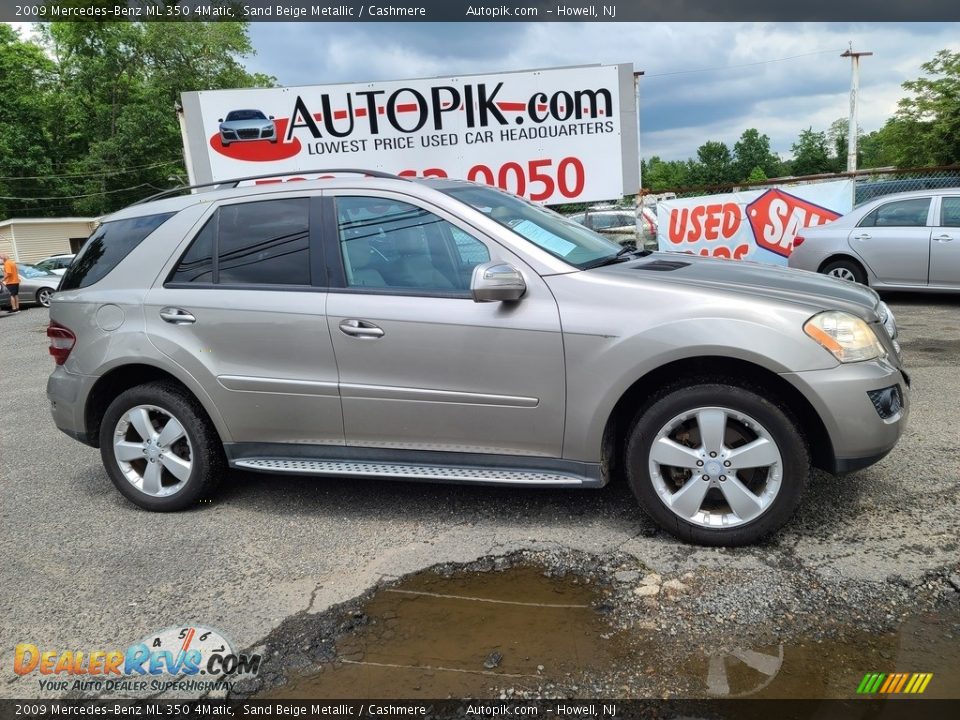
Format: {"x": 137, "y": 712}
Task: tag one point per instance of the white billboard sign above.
{"x": 554, "y": 136}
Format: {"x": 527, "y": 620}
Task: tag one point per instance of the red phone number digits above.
{"x": 568, "y": 179}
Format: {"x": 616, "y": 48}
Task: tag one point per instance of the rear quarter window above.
{"x": 109, "y": 244}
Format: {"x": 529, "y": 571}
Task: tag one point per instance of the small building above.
{"x": 31, "y": 239}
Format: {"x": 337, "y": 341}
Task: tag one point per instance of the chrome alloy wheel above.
{"x": 153, "y": 451}
{"x": 715, "y": 467}
{"x": 843, "y": 273}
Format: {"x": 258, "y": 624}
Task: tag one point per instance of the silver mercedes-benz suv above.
{"x": 440, "y": 330}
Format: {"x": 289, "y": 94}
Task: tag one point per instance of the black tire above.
{"x": 845, "y": 269}
{"x": 774, "y": 418}
{"x": 43, "y": 296}
{"x": 208, "y": 464}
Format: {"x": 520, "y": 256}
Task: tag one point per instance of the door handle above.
{"x": 861, "y": 236}
{"x": 943, "y": 238}
{"x": 176, "y": 316}
{"x": 360, "y": 329}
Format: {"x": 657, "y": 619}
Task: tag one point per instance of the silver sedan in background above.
{"x": 36, "y": 286}
{"x": 907, "y": 241}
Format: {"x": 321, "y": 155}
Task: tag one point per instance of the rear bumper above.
{"x": 66, "y": 392}
{"x": 859, "y": 435}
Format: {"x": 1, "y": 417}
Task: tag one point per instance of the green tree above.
{"x": 810, "y": 154}
{"x": 99, "y": 99}
{"x": 926, "y": 127}
{"x": 660, "y": 175}
{"x": 715, "y": 164}
{"x": 752, "y": 151}
{"x": 26, "y": 77}
{"x": 757, "y": 175}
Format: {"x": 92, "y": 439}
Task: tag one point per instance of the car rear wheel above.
{"x": 717, "y": 464}
{"x": 846, "y": 270}
{"x": 44, "y": 295}
{"x": 160, "y": 449}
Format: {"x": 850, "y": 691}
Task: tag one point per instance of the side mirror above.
{"x": 219, "y": 119}
{"x": 497, "y": 282}
{"x": 271, "y": 117}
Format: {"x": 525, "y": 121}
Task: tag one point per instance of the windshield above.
{"x": 31, "y": 271}
{"x": 245, "y": 115}
{"x": 559, "y": 236}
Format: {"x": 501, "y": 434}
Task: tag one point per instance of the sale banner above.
{"x": 554, "y": 135}
{"x": 755, "y": 225}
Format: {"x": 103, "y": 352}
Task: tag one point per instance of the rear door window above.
{"x": 266, "y": 242}
{"x": 950, "y": 212}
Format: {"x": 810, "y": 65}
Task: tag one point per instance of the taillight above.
{"x": 798, "y": 241}
{"x": 62, "y": 341}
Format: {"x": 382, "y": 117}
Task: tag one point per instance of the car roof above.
{"x": 180, "y": 202}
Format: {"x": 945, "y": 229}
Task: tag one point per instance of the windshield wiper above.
{"x": 624, "y": 254}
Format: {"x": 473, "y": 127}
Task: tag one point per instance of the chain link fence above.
{"x": 868, "y": 185}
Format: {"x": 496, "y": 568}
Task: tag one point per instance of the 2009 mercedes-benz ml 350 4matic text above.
{"x": 447, "y": 331}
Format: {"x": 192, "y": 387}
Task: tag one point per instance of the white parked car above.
{"x": 621, "y": 224}
{"x": 57, "y": 264}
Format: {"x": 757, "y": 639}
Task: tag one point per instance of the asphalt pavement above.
{"x": 84, "y": 569}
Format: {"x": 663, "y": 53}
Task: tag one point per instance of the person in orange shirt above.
{"x": 11, "y": 278}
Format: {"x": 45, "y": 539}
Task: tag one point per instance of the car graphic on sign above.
{"x": 246, "y": 125}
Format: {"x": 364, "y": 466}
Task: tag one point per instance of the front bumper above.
{"x": 859, "y": 435}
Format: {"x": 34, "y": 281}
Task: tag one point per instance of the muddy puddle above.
{"x": 465, "y": 636}
{"x": 521, "y": 633}
{"x": 835, "y": 668}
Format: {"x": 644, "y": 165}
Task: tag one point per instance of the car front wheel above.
{"x": 846, "y": 270}
{"x": 159, "y": 448}
{"x": 717, "y": 464}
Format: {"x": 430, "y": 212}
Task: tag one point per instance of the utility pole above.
{"x": 852, "y": 125}
{"x": 639, "y": 221}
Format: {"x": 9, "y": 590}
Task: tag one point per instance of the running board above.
{"x": 406, "y": 471}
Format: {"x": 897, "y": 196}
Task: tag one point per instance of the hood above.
{"x": 818, "y": 292}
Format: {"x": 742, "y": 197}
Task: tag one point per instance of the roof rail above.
{"x": 233, "y": 182}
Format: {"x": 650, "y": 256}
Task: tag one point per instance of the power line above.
{"x": 94, "y": 174}
{"x": 77, "y": 197}
{"x": 732, "y": 67}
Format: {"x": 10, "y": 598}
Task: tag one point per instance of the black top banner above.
{"x": 478, "y": 10}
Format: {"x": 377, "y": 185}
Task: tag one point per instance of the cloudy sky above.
{"x": 705, "y": 81}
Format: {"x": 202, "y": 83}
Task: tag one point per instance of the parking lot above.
{"x": 84, "y": 569}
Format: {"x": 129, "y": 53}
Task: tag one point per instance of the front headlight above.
{"x": 847, "y": 337}
{"x": 888, "y": 320}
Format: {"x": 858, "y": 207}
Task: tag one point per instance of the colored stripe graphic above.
{"x": 894, "y": 683}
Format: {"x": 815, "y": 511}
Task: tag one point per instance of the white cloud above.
{"x": 742, "y": 79}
